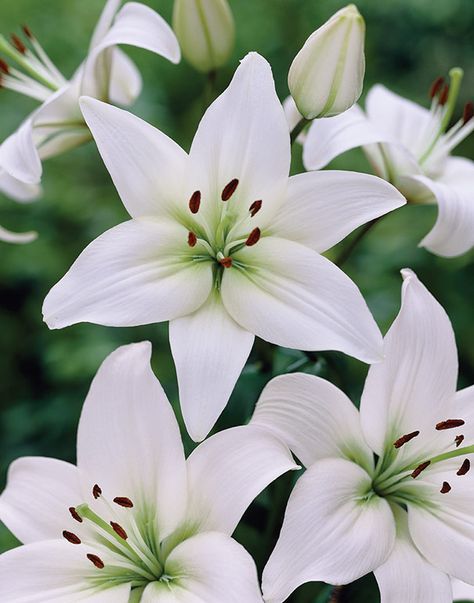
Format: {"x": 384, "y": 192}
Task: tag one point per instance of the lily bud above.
{"x": 327, "y": 74}
{"x": 205, "y": 31}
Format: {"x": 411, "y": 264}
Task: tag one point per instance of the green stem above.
{"x": 300, "y": 126}
{"x": 20, "y": 60}
{"x": 347, "y": 251}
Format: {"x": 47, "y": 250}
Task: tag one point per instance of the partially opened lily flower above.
{"x": 107, "y": 73}
{"x": 410, "y": 146}
{"x": 405, "y": 514}
{"x": 135, "y": 521}
{"x": 222, "y": 243}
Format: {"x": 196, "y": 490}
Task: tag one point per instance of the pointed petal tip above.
{"x": 408, "y": 274}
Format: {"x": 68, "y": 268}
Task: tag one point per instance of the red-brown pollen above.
{"x": 75, "y": 515}
{"x": 195, "y": 202}
{"x": 255, "y": 207}
{"x": 123, "y": 501}
{"x": 117, "y": 528}
{"x": 18, "y": 44}
{"x": 4, "y": 66}
{"x": 97, "y": 561}
{"x": 464, "y": 468}
{"x": 226, "y": 262}
{"x": 406, "y": 438}
{"x": 253, "y": 237}
{"x": 445, "y": 488}
{"x": 72, "y": 538}
{"x": 436, "y": 86}
{"x": 420, "y": 468}
{"x": 192, "y": 239}
{"x": 96, "y": 491}
{"x": 449, "y": 424}
{"x": 468, "y": 112}
{"x": 229, "y": 189}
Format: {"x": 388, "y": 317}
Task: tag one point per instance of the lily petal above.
{"x": 125, "y": 79}
{"x": 314, "y": 418}
{"x": 17, "y": 237}
{"x": 146, "y": 166}
{"x": 229, "y": 470}
{"x": 324, "y": 207}
{"x": 296, "y": 298}
{"x": 18, "y": 190}
{"x": 34, "y": 505}
{"x": 462, "y": 591}
{"x": 19, "y": 157}
{"x": 330, "y": 531}
{"x": 105, "y": 21}
{"x": 128, "y": 439}
{"x": 411, "y": 389}
{"x": 135, "y": 273}
{"x": 210, "y": 350}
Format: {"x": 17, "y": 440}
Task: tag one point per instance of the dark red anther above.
{"x": 123, "y": 501}
{"x": 75, "y": 514}
{"x": 4, "y": 67}
{"x": 458, "y": 440}
{"x": 464, "y": 468}
{"x": 255, "y": 207}
{"x": 449, "y": 424}
{"x": 445, "y": 488}
{"x": 192, "y": 239}
{"x": 195, "y": 202}
{"x": 72, "y": 538}
{"x": 27, "y": 31}
{"x": 229, "y": 189}
{"x": 253, "y": 237}
{"x": 97, "y": 561}
{"x": 18, "y": 44}
{"x": 117, "y": 528}
{"x": 468, "y": 112}
{"x": 96, "y": 491}
{"x": 420, "y": 468}
{"x": 406, "y": 438}
{"x": 436, "y": 86}
{"x": 443, "y": 97}
{"x": 226, "y": 262}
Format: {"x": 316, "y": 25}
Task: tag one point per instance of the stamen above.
{"x": 192, "y": 239}
{"x": 443, "y": 97}
{"x": 117, "y": 528}
{"x": 96, "y": 491}
{"x": 464, "y": 468}
{"x": 255, "y": 207}
{"x": 226, "y": 262}
{"x": 229, "y": 189}
{"x": 436, "y": 87}
{"x": 445, "y": 488}
{"x": 123, "y": 501}
{"x": 72, "y": 538}
{"x": 27, "y": 31}
{"x": 449, "y": 424}
{"x": 18, "y": 44}
{"x": 468, "y": 112}
{"x": 420, "y": 468}
{"x": 406, "y": 438}
{"x": 458, "y": 440}
{"x": 97, "y": 561}
{"x": 195, "y": 202}
{"x": 253, "y": 237}
{"x": 75, "y": 514}
{"x": 4, "y": 67}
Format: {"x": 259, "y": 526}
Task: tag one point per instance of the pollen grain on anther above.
{"x": 253, "y": 237}
{"x": 4, "y": 67}
{"x": 96, "y": 491}
{"x": 405, "y": 438}
{"x": 449, "y": 424}
{"x": 436, "y": 86}
{"x": 420, "y": 468}
{"x": 458, "y": 440}
{"x": 445, "y": 488}
{"x": 123, "y": 501}
{"x": 72, "y": 538}
{"x": 443, "y": 97}
{"x": 27, "y": 31}
{"x": 255, "y": 207}
{"x": 226, "y": 262}
{"x": 468, "y": 112}
{"x": 195, "y": 202}
{"x": 229, "y": 189}
{"x": 75, "y": 515}
{"x": 464, "y": 468}
{"x": 18, "y": 44}
{"x": 192, "y": 239}
{"x": 97, "y": 561}
{"x": 117, "y": 528}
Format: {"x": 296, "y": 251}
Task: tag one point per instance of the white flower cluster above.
{"x": 225, "y": 245}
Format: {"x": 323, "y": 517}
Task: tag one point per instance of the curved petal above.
{"x": 229, "y": 470}
{"x": 296, "y": 298}
{"x": 105, "y": 21}
{"x": 462, "y": 591}
{"x": 52, "y": 571}
{"x": 19, "y": 157}
{"x": 331, "y": 531}
{"x": 314, "y": 418}
{"x": 210, "y": 350}
{"x": 18, "y": 190}
{"x": 324, "y": 207}
{"x": 412, "y": 388}
{"x": 406, "y": 576}
{"x": 125, "y": 79}
{"x": 17, "y": 237}
{"x": 329, "y": 137}
{"x": 244, "y": 135}
{"x": 135, "y": 25}
{"x": 128, "y": 439}
{"x": 34, "y": 505}
{"x": 136, "y": 273}
{"x": 146, "y": 166}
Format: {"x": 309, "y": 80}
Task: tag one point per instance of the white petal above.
{"x": 105, "y": 21}
{"x": 324, "y": 207}
{"x": 293, "y": 116}
{"x": 330, "y": 532}
{"x": 19, "y": 157}
{"x": 296, "y": 298}
{"x": 210, "y": 350}
{"x": 135, "y": 273}
{"x": 406, "y": 576}
{"x": 34, "y": 505}
{"x": 18, "y": 190}
{"x": 244, "y": 135}
{"x": 125, "y": 79}
{"x": 146, "y": 166}
{"x": 462, "y": 591}
{"x": 410, "y": 390}
{"x": 330, "y": 136}
{"x": 314, "y": 418}
{"x": 16, "y": 237}
{"x": 463, "y": 407}
{"x": 53, "y": 571}
{"x": 212, "y": 568}
{"x": 128, "y": 440}
{"x": 229, "y": 470}
{"x": 135, "y": 25}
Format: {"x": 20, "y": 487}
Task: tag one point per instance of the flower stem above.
{"x": 347, "y": 251}
{"x": 298, "y": 129}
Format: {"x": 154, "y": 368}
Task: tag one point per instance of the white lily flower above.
{"x": 410, "y": 146}
{"x": 135, "y": 521}
{"x": 407, "y": 516}
{"x": 222, "y": 243}
{"x": 107, "y": 73}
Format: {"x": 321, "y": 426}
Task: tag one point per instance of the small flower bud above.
{"x": 205, "y": 31}
{"x": 327, "y": 75}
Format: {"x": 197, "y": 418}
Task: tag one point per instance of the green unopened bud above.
{"x": 326, "y": 76}
{"x": 205, "y": 31}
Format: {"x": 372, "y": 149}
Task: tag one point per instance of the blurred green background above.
{"x": 45, "y": 375}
